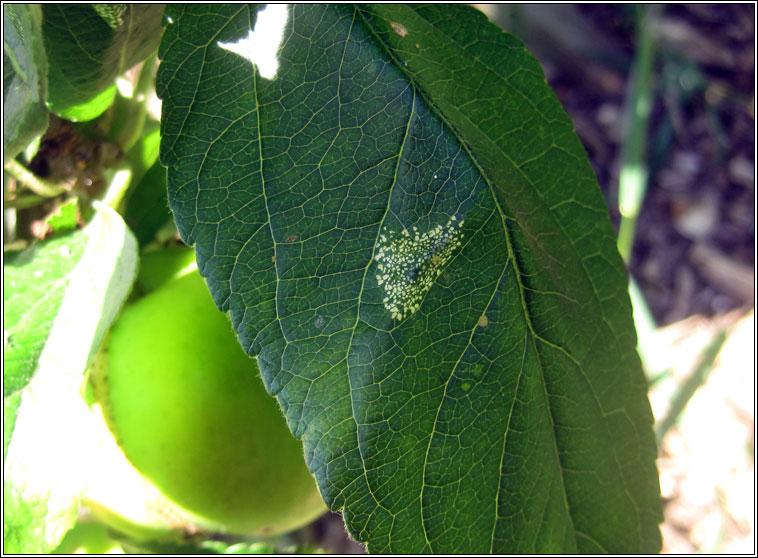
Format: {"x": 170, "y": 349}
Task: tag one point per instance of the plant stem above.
{"x": 633, "y": 176}
{"x": 692, "y": 383}
{"x": 645, "y": 325}
{"x": 138, "y": 108}
{"x": 34, "y": 183}
{"x": 23, "y": 202}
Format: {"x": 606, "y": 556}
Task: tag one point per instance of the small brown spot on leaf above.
{"x": 483, "y": 321}
{"x": 293, "y": 238}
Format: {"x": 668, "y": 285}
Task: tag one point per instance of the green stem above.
{"x": 625, "y": 240}
{"x": 691, "y": 384}
{"x": 633, "y": 176}
{"x": 145, "y": 79}
{"x": 33, "y": 182}
{"x": 645, "y": 326}
{"x": 139, "y": 99}
{"x": 24, "y": 201}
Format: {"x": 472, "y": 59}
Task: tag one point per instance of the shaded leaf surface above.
{"x": 24, "y": 79}
{"x": 88, "y": 47}
{"x": 408, "y": 234}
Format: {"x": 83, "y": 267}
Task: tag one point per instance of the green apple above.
{"x": 190, "y": 412}
{"x": 160, "y": 266}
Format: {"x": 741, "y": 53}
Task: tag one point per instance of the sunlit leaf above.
{"x": 47, "y": 433}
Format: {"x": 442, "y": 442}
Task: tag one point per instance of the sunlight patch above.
{"x": 261, "y": 45}
{"x": 409, "y": 262}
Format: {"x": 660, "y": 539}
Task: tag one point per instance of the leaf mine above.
{"x": 408, "y": 263}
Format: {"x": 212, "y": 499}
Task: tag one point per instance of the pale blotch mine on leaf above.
{"x": 408, "y": 263}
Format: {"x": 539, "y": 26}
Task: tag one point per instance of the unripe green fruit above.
{"x": 160, "y": 266}
{"x": 189, "y": 410}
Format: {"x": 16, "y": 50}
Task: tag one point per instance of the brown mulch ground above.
{"x": 694, "y": 252}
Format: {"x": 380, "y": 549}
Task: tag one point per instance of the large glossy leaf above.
{"x": 60, "y": 298}
{"x": 406, "y": 231}
{"x": 87, "y": 47}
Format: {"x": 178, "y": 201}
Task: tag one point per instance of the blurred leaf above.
{"x": 219, "y": 547}
{"x": 24, "y": 78}
{"x": 405, "y": 229}
{"x": 44, "y": 477}
{"x": 160, "y": 266}
{"x": 112, "y": 14}
{"x": 128, "y": 120}
{"x": 144, "y": 153}
{"x": 86, "y": 53}
{"x": 147, "y": 207}
{"x": 90, "y": 109}
{"x": 88, "y": 537}
{"x": 64, "y": 217}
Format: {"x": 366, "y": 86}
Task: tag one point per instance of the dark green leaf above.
{"x": 86, "y": 52}
{"x": 24, "y": 67}
{"x": 408, "y": 234}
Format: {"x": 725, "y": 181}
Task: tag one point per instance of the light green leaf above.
{"x": 24, "y": 78}
{"x": 64, "y": 218}
{"x": 86, "y": 53}
{"x": 406, "y": 231}
{"x": 89, "y": 109}
{"x": 34, "y": 283}
{"x": 44, "y": 474}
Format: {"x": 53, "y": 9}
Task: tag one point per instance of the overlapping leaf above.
{"x": 34, "y": 284}
{"x": 60, "y": 298}
{"x": 408, "y": 234}
{"x": 87, "y": 47}
{"x": 24, "y": 77}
